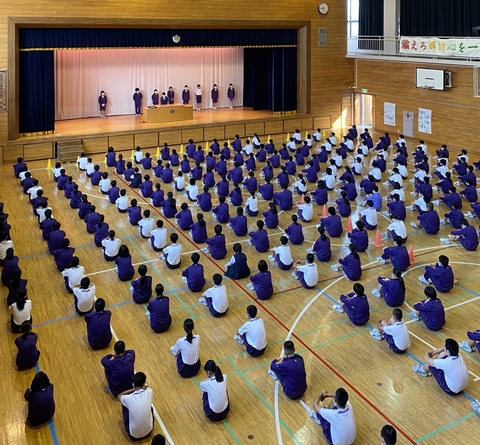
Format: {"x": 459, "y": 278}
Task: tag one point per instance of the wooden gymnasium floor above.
{"x": 382, "y": 387}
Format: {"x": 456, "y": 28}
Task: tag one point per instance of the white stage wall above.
{"x": 80, "y": 75}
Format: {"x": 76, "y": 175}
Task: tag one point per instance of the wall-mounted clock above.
{"x": 323, "y": 8}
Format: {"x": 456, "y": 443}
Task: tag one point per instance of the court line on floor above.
{"x": 446, "y": 427}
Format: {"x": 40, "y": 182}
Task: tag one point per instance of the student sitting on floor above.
{"x": 252, "y": 334}
{"x": 447, "y": 366}
{"x": 216, "y": 297}
{"x": 142, "y": 287}
{"x": 397, "y": 255}
{"x": 391, "y": 289}
{"x": 467, "y": 236}
{"x": 355, "y": 304}
{"x": 394, "y": 331}
{"x": 172, "y": 254}
{"x": 187, "y": 350}
{"x": 350, "y": 265}
{"x": 439, "y": 274}
{"x": 261, "y": 283}
{"x": 259, "y": 238}
{"x": 306, "y": 271}
{"x": 431, "y": 310}
{"x": 193, "y": 275}
{"x": 237, "y": 266}
{"x": 282, "y": 255}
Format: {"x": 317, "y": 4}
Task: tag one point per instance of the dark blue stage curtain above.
{"x": 37, "y": 91}
{"x": 270, "y": 78}
{"x": 58, "y": 38}
{"x": 441, "y": 18}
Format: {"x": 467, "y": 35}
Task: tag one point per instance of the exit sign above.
{"x": 364, "y": 90}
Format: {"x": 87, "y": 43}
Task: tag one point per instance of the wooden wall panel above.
{"x": 10, "y": 154}
{"x": 32, "y": 152}
{"x": 454, "y": 111}
{"x": 254, "y": 127}
{"x": 232, "y": 130}
{"x": 274, "y": 127}
{"x": 146, "y": 140}
{"x": 123, "y": 142}
{"x": 323, "y": 122}
{"x": 170, "y": 137}
{"x": 214, "y": 132}
{"x": 291, "y": 125}
{"x": 96, "y": 145}
{"x": 307, "y": 124}
{"x": 196, "y": 134}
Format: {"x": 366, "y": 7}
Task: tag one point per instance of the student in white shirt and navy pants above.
{"x": 252, "y": 334}
{"x": 187, "y": 350}
{"x": 215, "y": 396}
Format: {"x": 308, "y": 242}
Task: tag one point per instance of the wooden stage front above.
{"x": 127, "y": 132}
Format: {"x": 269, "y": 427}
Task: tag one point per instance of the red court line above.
{"x": 330, "y": 367}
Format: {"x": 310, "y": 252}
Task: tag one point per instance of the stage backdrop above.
{"x": 80, "y": 75}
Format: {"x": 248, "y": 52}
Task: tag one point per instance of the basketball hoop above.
{"x": 424, "y": 89}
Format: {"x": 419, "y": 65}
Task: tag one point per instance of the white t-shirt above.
{"x": 146, "y": 226}
{"x": 455, "y": 370}
{"x": 317, "y": 135}
{"x": 399, "y": 332}
{"x": 19, "y": 316}
{"x": 300, "y": 186}
{"x": 358, "y": 167}
{"x": 370, "y": 215}
{"x": 399, "y": 228}
{"x": 104, "y": 184}
{"x": 89, "y": 168}
{"x": 190, "y": 351}
{"x": 180, "y": 182}
{"x": 420, "y": 174}
{"x": 32, "y": 191}
{"x": 56, "y": 171}
{"x": 349, "y": 144}
{"x": 255, "y": 331}
{"x": 376, "y": 173}
{"x": 138, "y": 155}
{"x": 122, "y": 202}
{"x": 342, "y": 424}
{"x": 192, "y": 191}
{"x": 74, "y": 275}
{"x": 174, "y": 252}
{"x": 310, "y": 273}
{"x": 217, "y": 393}
{"x": 291, "y": 145}
{"x": 329, "y": 181}
{"x": 420, "y": 202}
{"x": 85, "y": 298}
{"x": 252, "y": 203}
{"x": 218, "y": 294}
{"x": 82, "y": 163}
{"x": 402, "y": 170}
{"x": 159, "y": 237}
{"x": 400, "y": 193}
{"x": 111, "y": 247}
{"x": 41, "y": 213}
{"x": 248, "y": 149}
{"x": 396, "y": 177}
{"x": 140, "y": 416}
{"x": 4, "y": 245}
{"x": 284, "y": 253}
{"x": 338, "y": 160}
{"x": 307, "y": 211}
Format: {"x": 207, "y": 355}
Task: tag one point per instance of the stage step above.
{"x": 69, "y": 151}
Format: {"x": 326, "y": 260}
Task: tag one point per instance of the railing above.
{"x": 445, "y": 48}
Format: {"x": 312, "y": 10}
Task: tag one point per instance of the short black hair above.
{"x": 388, "y": 433}
{"x": 341, "y": 396}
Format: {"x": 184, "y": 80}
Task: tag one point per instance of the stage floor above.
{"x": 115, "y": 124}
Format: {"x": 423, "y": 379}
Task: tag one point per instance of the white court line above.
{"x": 155, "y": 412}
{"x": 277, "y": 418}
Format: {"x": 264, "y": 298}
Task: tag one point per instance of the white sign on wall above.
{"x": 425, "y": 120}
{"x": 389, "y": 113}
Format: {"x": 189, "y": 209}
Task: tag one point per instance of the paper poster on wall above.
{"x": 389, "y": 113}
{"x": 425, "y": 120}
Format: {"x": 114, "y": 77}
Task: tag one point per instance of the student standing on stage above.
{"x": 28, "y": 354}
{"x": 102, "y": 102}
{"x": 193, "y": 275}
{"x": 137, "y": 99}
{"x": 159, "y": 311}
{"x": 252, "y": 334}
{"x": 119, "y": 368}
{"x": 155, "y": 97}
{"x": 198, "y": 97}
{"x": 185, "y": 95}
{"x": 431, "y": 310}
{"x": 216, "y": 297}
{"x": 394, "y": 331}
{"x": 171, "y": 95}
{"x": 137, "y": 408}
{"x": 261, "y": 283}
{"x": 448, "y": 368}
{"x": 439, "y": 274}
{"x": 355, "y": 304}
{"x": 98, "y": 326}
{"x": 41, "y": 406}
{"x": 215, "y": 397}
{"x": 336, "y": 419}
{"x": 231, "y": 95}
{"x": 391, "y": 289}
{"x": 215, "y": 96}
{"x": 187, "y": 350}
{"x": 290, "y": 371}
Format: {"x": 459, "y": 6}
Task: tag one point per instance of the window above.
{"x": 352, "y": 18}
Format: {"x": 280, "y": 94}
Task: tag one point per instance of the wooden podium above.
{"x": 168, "y": 113}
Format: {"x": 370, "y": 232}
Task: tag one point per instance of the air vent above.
{"x": 322, "y": 36}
